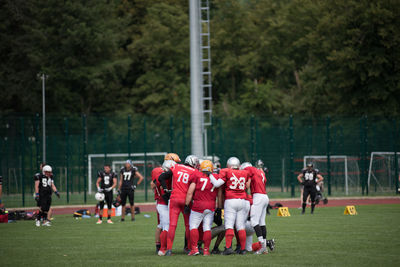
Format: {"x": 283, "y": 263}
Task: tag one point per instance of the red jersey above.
{"x": 181, "y": 180}
{"x": 258, "y": 180}
{"x": 235, "y": 182}
{"x": 158, "y": 191}
{"x": 205, "y": 193}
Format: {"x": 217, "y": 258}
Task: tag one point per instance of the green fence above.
{"x": 77, "y": 147}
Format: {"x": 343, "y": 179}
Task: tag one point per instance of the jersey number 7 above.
{"x": 205, "y": 181}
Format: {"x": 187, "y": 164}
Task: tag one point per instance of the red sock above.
{"x": 194, "y": 238}
{"x": 207, "y": 239}
{"x": 229, "y": 234}
{"x": 242, "y": 239}
{"x": 163, "y": 239}
{"x": 171, "y": 236}
{"x": 188, "y": 236}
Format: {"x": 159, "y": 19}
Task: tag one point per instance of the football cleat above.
{"x": 243, "y": 252}
{"x": 109, "y": 221}
{"x": 216, "y": 251}
{"x": 168, "y": 253}
{"x": 46, "y": 223}
{"x": 228, "y": 251}
{"x": 132, "y": 219}
{"x": 37, "y": 223}
{"x": 238, "y": 248}
{"x": 161, "y": 252}
{"x": 194, "y": 252}
{"x": 206, "y": 252}
{"x": 122, "y": 220}
{"x": 186, "y": 250}
{"x": 99, "y": 222}
{"x": 325, "y": 201}
{"x": 271, "y": 244}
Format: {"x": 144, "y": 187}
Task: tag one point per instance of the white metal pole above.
{"x": 346, "y": 174}
{"x": 196, "y": 108}
{"x": 44, "y": 114}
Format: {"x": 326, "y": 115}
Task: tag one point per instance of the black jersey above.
{"x": 1, "y": 180}
{"x": 44, "y": 184}
{"x": 127, "y": 177}
{"x": 310, "y": 176}
{"x": 107, "y": 179}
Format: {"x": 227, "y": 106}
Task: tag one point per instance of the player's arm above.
{"x": 300, "y": 178}
{"x": 152, "y": 185}
{"x": 216, "y": 182}
{"x": 53, "y": 186}
{"x": 189, "y": 194}
{"x": 164, "y": 177}
{"x": 37, "y": 182}
{"x": 121, "y": 178}
{"x": 220, "y": 198}
{"x": 98, "y": 184}
{"x": 138, "y": 175}
{"x": 320, "y": 178}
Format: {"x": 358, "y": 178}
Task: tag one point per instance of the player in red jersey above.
{"x": 203, "y": 194}
{"x": 180, "y": 176}
{"x": 260, "y": 202}
{"x": 236, "y": 182}
{"x": 163, "y": 222}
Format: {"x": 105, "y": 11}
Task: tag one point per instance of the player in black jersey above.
{"x": 311, "y": 179}
{"x": 127, "y": 187}
{"x": 44, "y": 187}
{"x": 106, "y": 182}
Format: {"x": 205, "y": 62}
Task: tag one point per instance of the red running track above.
{"x": 290, "y": 203}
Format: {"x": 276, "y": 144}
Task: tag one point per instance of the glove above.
{"x": 108, "y": 189}
{"x": 133, "y": 187}
{"x": 218, "y": 217}
{"x": 37, "y": 197}
{"x": 57, "y": 194}
{"x": 100, "y": 190}
{"x": 187, "y": 209}
{"x": 166, "y": 196}
{"x": 119, "y": 192}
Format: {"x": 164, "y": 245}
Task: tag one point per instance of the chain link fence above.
{"x": 77, "y": 147}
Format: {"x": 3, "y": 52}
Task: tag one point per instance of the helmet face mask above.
{"x": 192, "y": 161}
{"x": 310, "y": 165}
{"x": 245, "y": 165}
{"x": 233, "y": 163}
{"x": 47, "y": 170}
{"x": 128, "y": 164}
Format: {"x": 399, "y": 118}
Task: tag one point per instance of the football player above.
{"x": 180, "y": 176}
{"x": 106, "y": 182}
{"x": 44, "y": 187}
{"x": 158, "y": 192}
{"x": 311, "y": 179}
{"x": 260, "y": 201}
{"x": 203, "y": 194}
{"x": 236, "y": 182}
{"x": 127, "y": 187}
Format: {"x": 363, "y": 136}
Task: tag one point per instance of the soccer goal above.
{"x": 143, "y": 161}
{"x": 345, "y": 173}
{"x": 382, "y": 170}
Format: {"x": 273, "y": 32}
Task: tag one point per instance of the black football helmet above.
{"x": 259, "y": 164}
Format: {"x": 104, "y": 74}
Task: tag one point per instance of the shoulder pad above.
{"x": 134, "y": 168}
{"x": 100, "y": 174}
{"x": 304, "y": 169}
{"x": 316, "y": 170}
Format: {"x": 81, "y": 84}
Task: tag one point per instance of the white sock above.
{"x": 260, "y": 239}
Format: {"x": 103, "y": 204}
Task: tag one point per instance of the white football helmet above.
{"x": 46, "y": 168}
{"x": 167, "y": 165}
{"x": 192, "y": 161}
{"x": 233, "y": 163}
{"x": 245, "y": 165}
{"x": 99, "y": 196}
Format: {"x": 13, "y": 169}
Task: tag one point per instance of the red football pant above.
{"x": 176, "y": 206}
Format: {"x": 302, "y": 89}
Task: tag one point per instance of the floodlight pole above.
{"x": 43, "y": 77}
{"x": 196, "y": 108}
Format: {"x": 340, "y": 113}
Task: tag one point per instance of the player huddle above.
{"x": 200, "y": 192}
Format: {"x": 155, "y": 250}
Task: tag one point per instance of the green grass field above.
{"x": 328, "y": 237}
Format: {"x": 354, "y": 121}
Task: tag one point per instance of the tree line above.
{"x": 269, "y": 57}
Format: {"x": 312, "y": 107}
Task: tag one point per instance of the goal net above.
{"x": 144, "y": 162}
{"x": 345, "y": 172}
{"x": 382, "y": 171}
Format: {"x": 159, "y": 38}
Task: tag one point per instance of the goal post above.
{"x": 116, "y": 160}
{"x": 382, "y": 170}
{"x": 344, "y": 169}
